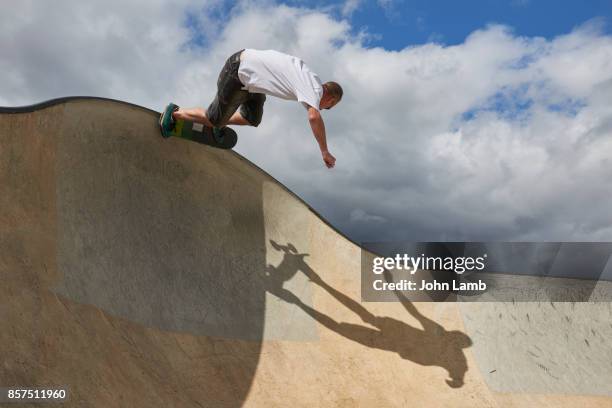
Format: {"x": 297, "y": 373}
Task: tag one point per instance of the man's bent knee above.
{"x": 252, "y": 111}
{"x": 254, "y": 121}
{"x": 215, "y": 117}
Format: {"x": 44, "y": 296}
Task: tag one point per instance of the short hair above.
{"x": 334, "y": 89}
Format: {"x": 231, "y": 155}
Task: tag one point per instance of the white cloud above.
{"x": 111, "y": 48}
{"x": 350, "y": 6}
{"x": 539, "y": 169}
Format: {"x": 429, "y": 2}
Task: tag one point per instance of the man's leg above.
{"x": 251, "y": 111}
{"x": 227, "y": 100}
{"x": 193, "y": 114}
{"x": 230, "y": 94}
{"x": 199, "y": 115}
{"x": 237, "y": 119}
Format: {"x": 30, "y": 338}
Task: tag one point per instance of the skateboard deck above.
{"x": 200, "y": 133}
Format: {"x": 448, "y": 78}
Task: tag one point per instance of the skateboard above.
{"x": 225, "y": 138}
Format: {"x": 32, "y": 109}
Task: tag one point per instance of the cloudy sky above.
{"x": 489, "y": 121}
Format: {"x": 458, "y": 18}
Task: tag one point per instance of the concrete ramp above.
{"x": 144, "y": 272}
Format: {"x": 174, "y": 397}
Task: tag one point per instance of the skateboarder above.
{"x": 245, "y": 80}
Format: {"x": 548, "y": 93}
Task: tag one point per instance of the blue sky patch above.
{"x": 512, "y": 104}
{"x": 395, "y": 25}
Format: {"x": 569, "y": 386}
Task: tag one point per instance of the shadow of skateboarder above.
{"x": 431, "y": 345}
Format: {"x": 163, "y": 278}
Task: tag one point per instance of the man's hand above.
{"x": 330, "y": 161}
{"x": 318, "y": 130}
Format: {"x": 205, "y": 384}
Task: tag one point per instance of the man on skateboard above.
{"x": 245, "y": 80}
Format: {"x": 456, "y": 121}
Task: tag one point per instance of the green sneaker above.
{"x": 166, "y": 121}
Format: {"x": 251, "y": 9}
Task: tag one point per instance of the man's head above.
{"x": 332, "y": 94}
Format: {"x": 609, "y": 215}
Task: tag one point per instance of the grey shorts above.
{"x": 230, "y": 96}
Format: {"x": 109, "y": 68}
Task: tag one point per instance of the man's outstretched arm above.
{"x": 318, "y": 130}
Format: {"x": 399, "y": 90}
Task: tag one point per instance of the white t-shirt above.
{"x": 285, "y": 76}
